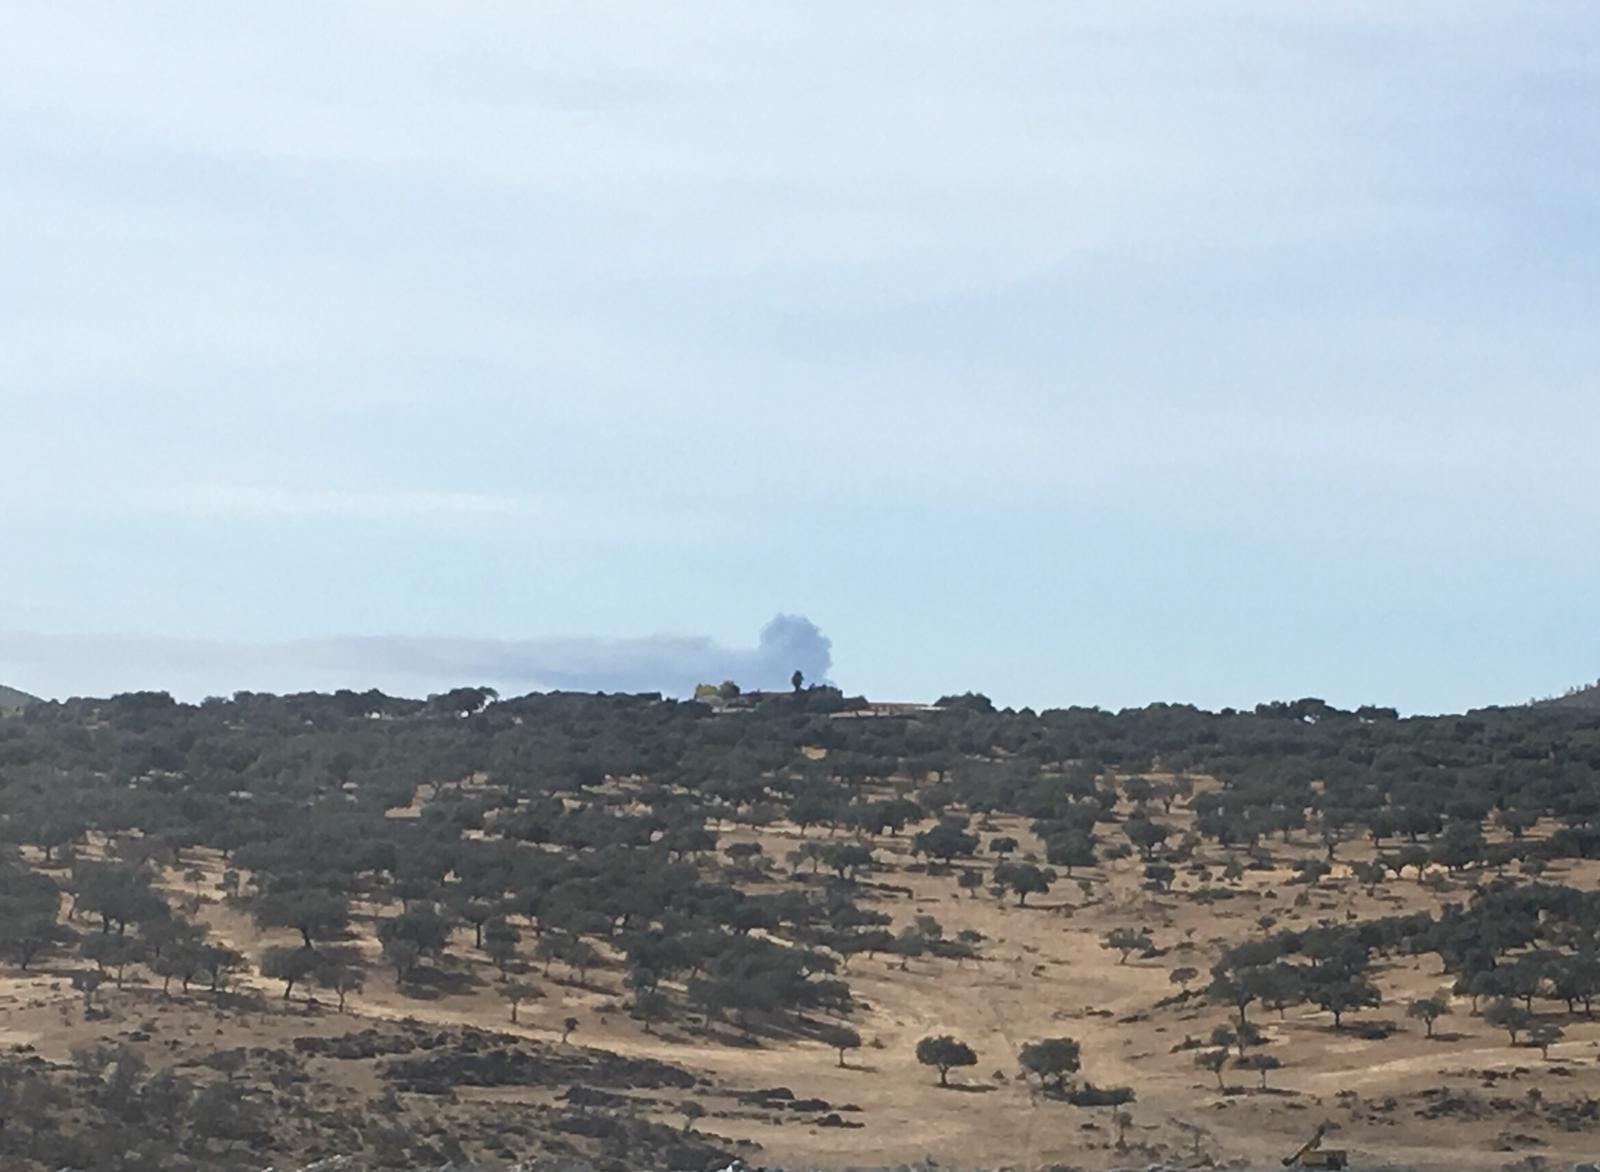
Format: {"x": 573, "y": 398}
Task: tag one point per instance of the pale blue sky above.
{"x": 1079, "y": 353}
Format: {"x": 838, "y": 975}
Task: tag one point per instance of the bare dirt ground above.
{"x": 1465, "y": 1099}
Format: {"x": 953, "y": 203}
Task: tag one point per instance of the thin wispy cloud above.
{"x": 243, "y": 501}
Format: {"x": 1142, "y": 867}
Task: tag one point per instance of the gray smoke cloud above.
{"x": 66, "y": 665}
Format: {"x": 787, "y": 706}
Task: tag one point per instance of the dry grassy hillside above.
{"x": 1465, "y": 1098}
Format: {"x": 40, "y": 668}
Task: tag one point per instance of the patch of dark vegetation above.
{"x": 236, "y": 1109}
{"x": 1570, "y": 1114}
{"x": 584, "y": 1096}
{"x": 1090, "y": 1095}
{"x": 363, "y": 1044}
{"x": 529, "y": 1065}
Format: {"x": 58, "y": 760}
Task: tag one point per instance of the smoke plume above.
{"x": 65, "y": 665}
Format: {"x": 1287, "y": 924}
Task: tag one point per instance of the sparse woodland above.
{"x": 603, "y": 901}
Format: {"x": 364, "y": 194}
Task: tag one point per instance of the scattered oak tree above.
{"x": 1544, "y": 1035}
{"x": 289, "y": 965}
{"x": 1507, "y": 1015}
{"x": 1260, "y": 1063}
{"x": 1214, "y": 1061}
{"x": 517, "y": 993}
{"x": 1127, "y": 941}
{"x": 945, "y": 1053}
{"x": 841, "y": 1038}
{"x": 1428, "y": 1010}
{"x": 1051, "y": 1060}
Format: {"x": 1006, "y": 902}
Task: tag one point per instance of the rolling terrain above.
{"x": 917, "y": 922}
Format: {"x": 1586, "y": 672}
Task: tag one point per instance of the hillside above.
{"x": 12, "y": 698}
{"x": 1585, "y": 699}
{"x": 640, "y": 933}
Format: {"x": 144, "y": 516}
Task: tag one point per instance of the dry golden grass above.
{"x": 1043, "y": 973}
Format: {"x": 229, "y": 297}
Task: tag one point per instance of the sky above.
{"x": 1092, "y": 353}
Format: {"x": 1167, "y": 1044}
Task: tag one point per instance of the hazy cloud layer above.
{"x": 65, "y": 665}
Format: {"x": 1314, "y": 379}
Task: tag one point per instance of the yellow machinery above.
{"x": 1313, "y": 1155}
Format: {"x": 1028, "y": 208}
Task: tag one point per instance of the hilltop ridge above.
{"x": 1585, "y": 699}
{"x": 15, "y": 698}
